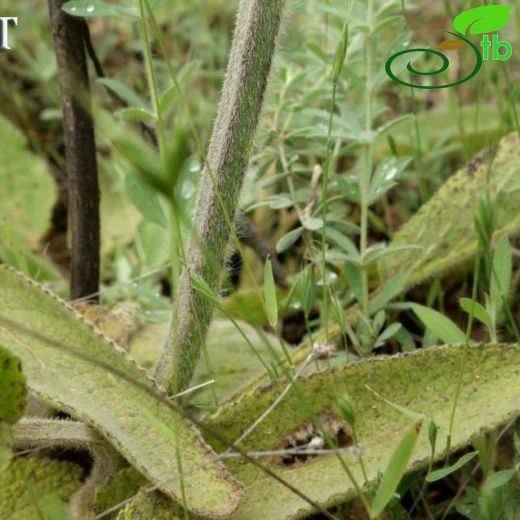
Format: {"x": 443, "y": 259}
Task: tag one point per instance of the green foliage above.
{"x": 51, "y": 372}
{"x": 37, "y": 489}
{"x": 13, "y": 396}
{"x": 117, "y": 488}
{"x": 444, "y": 472}
{"x": 439, "y": 325}
{"x": 25, "y": 212}
{"x": 395, "y": 470}
{"x": 229, "y": 360}
{"x": 13, "y": 393}
{"x": 336, "y": 140}
{"x": 421, "y": 381}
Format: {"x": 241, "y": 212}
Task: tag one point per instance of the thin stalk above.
{"x": 462, "y": 366}
{"x": 367, "y": 156}
{"x": 151, "y": 78}
{"x": 176, "y": 237}
{"x": 337, "y": 67}
{"x": 326, "y": 175}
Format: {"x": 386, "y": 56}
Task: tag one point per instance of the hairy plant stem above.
{"x": 80, "y": 151}
{"x": 254, "y": 42}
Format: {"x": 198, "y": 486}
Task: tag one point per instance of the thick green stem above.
{"x": 252, "y": 51}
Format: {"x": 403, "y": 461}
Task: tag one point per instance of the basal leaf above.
{"x": 422, "y": 381}
{"x": 484, "y": 19}
{"x": 142, "y": 428}
{"x": 444, "y": 227}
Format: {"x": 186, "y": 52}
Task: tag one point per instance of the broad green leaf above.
{"x": 34, "y": 486}
{"x": 439, "y": 324}
{"x": 141, "y": 427}
{"x": 270, "y": 300}
{"x": 444, "y": 472}
{"x": 485, "y": 19}
{"x": 13, "y": 393}
{"x": 444, "y": 227}
{"x": 422, "y": 381}
{"x": 395, "y": 470}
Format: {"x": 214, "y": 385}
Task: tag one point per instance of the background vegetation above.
{"x": 372, "y": 219}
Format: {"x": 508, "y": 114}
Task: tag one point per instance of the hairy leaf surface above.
{"x": 423, "y": 381}
{"x": 140, "y": 426}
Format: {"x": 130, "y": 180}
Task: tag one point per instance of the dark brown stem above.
{"x": 80, "y": 151}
